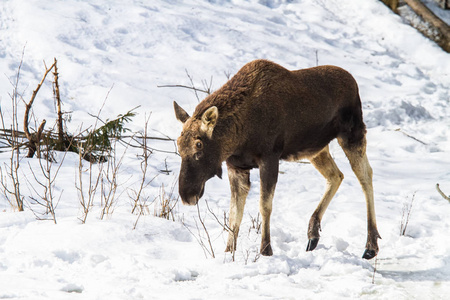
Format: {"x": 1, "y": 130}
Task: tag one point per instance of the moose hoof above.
{"x": 369, "y": 254}
{"x": 266, "y": 250}
{"x": 312, "y": 244}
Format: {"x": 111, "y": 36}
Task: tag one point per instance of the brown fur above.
{"x": 266, "y": 113}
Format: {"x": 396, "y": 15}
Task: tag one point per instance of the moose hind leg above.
{"x": 325, "y": 164}
{"x": 240, "y": 186}
{"x": 356, "y": 154}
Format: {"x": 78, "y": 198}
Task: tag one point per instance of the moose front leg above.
{"x": 268, "y": 170}
{"x": 240, "y": 186}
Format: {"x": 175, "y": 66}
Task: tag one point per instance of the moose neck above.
{"x": 231, "y": 101}
{"x": 227, "y": 137}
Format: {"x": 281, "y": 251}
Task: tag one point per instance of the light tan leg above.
{"x": 363, "y": 171}
{"x": 268, "y": 170}
{"x": 325, "y": 164}
{"x": 240, "y": 186}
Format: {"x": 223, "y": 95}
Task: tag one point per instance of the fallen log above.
{"x": 428, "y": 16}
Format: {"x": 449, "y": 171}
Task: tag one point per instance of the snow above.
{"x": 123, "y": 50}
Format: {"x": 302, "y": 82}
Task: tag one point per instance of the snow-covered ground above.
{"x": 128, "y": 48}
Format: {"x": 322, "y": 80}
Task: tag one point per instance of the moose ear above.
{"x": 180, "y": 113}
{"x": 209, "y": 120}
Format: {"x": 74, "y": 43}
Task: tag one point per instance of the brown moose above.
{"x": 266, "y": 113}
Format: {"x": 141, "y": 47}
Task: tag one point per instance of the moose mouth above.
{"x": 193, "y": 200}
{"x": 201, "y": 193}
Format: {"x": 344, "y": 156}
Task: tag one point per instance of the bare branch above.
{"x": 410, "y": 136}
{"x": 225, "y": 228}
{"x": 206, "y": 86}
{"x": 223, "y": 225}
{"x": 34, "y": 140}
{"x": 406, "y": 214}
{"x": 211, "y": 252}
{"x": 144, "y": 166}
{"x": 442, "y": 193}
{"x": 14, "y": 194}
{"x": 184, "y": 87}
{"x": 58, "y": 105}
{"x": 30, "y": 103}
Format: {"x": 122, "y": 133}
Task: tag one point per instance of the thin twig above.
{"x": 198, "y": 238}
{"x": 224, "y": 226}
{"x": 97, "y": 117}
{"x": 410, "y": 136}
{"x": 58, "y": 105}
{"x": 442, "y": 193}
{"x": 374, "y": 270}
{"x": 406, "y": 215}
{"x": 30, "y": 104}
{"x": 144, "y": 166}
{"x": 14, "y": 162}
{"x": 206, "y": 231}
{"x": 184, "y": 87}
{"x": 150, "y": 138}
{"x": 206, "y": 87}
{"x": 112, "y": 172}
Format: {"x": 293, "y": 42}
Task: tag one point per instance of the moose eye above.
{"x": 199, "y": 145}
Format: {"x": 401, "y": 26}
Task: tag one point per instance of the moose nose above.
{"x": 191, "y": 201}
{"x": 191, "y": 196}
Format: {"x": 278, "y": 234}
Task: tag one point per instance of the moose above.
{"x": 266, "y": 113}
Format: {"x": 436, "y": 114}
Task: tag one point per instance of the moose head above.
{"x": 199, "y": 151}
